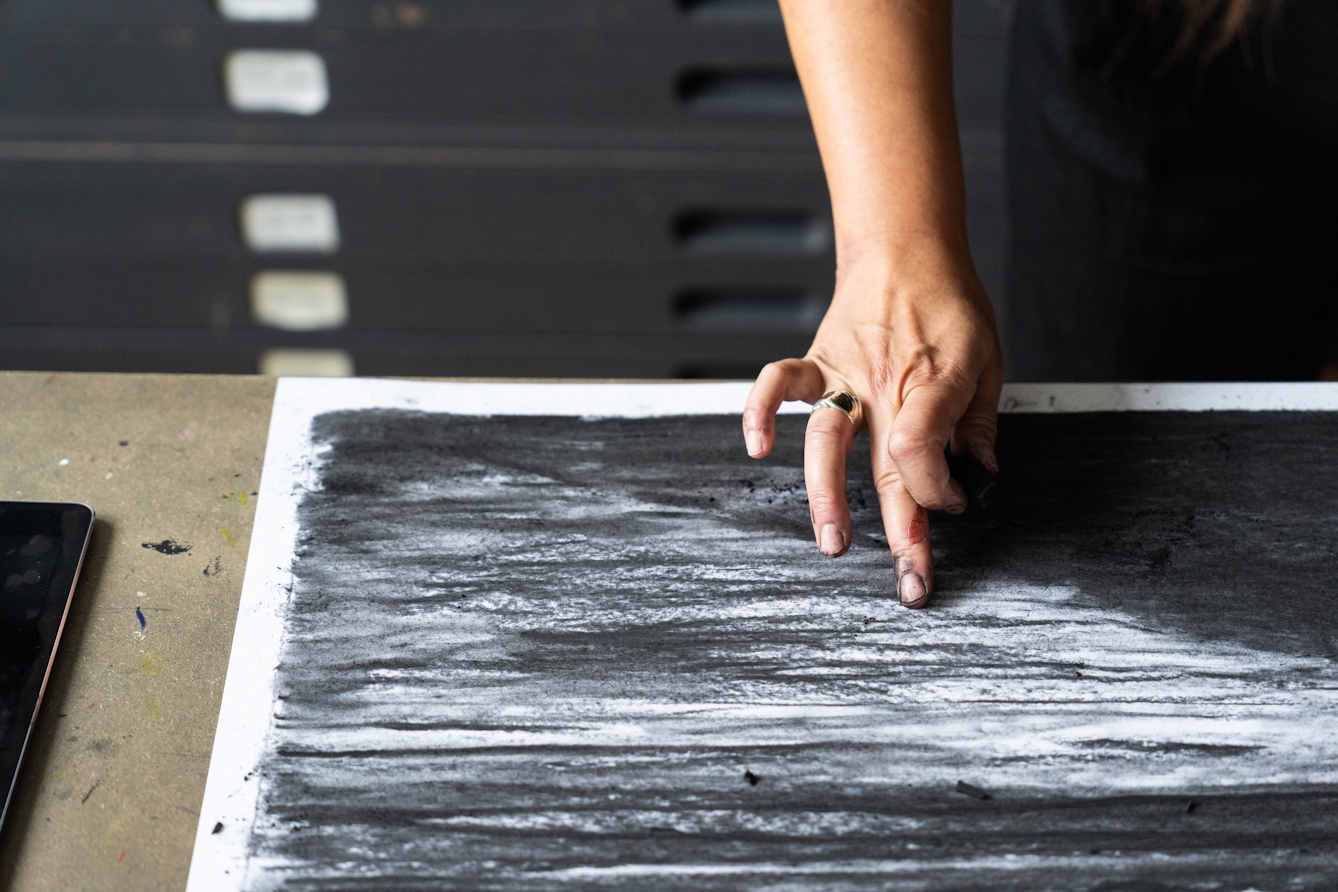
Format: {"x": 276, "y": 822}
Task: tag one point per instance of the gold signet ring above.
{"x": 843, "y": 402}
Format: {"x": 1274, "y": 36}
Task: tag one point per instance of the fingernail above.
{"x": 832, "y": 542}
{"x": 955, "y": 509}
{"x": 912, "y": 589}
{"x": 754, "y": 441}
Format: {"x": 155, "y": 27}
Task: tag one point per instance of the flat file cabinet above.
{"x": 512, "y": 187}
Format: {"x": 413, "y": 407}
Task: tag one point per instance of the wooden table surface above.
{"x": 109, "y": 794}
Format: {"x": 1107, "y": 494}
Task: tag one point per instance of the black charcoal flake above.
{"x": 971, "y": 790}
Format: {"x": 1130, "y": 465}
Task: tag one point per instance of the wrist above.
{"x": 903, "y": 250}
{"x": 905, "y": 266}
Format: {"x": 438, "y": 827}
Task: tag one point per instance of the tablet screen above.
{"x": 41, "y": 548}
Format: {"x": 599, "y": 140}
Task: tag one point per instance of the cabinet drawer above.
{"x": 186, "y": 351}
{"x": 429, "y": 15}
{"x": 687, "y": 298}
{"x": 617, "y": 218}
{"x": 636, "y": 78}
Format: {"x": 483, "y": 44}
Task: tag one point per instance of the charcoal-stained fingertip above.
{"x": 912, "y": 590}
{"x": 831, "y": 541}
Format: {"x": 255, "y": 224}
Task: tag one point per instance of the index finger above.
{"x": 789, "y": 379}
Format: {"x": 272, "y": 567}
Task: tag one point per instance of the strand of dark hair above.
{"x": 1208, "y": 25}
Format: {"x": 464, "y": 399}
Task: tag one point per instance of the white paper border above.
{"x": 231, "y": 793}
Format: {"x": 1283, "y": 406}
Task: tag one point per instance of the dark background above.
{"x": 523, "y": 187}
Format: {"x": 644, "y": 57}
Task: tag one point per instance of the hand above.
{"x": 920, "y": 351}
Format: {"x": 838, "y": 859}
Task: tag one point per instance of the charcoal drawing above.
{"x": 559, "y": 653}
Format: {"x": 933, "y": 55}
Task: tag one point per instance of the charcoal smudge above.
{"x": 539, "y": 653}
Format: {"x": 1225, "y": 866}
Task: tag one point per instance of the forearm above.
{"x": 877, "y": 75}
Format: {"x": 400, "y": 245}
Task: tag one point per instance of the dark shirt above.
{"x": 1170, "y": 215}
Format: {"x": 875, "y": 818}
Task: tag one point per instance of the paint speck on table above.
{"x": 120, "y": 857}
{"x": 152, "y": 665}
{"x": 190, "y": 431}
{"x": 63, "y": 462}
{"x": 109, "y": 475}
{"x": 139, "y": 615}
{"x": 90, "y": 786}
{"x": 227, "y": 537}
{"x": 167, "y": 546}
{"x": 125, "y": 442}
{"x": 154, "y": 707}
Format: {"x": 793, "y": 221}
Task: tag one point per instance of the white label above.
{"x": 299, "y": 301}
{"x": 289, "y": 81}
{"x": 290, "y": 223}
{"x": 306, "y": 364}
{"x": 267, "y": 10}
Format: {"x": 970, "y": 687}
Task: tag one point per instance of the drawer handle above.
{"x": 267, "y": 10}
{"x": 306, "y": 363}
{"x": 742, "y": 92}
{"x": 792, "y": 233}
{"x": 282, "y": 81}
{"x": 279, "y": 222}
{"x": 732, "y": 11}
{"x": 299, "y": 300}
{"x": 750, "y": 309}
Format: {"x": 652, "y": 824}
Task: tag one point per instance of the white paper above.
{"x": 291, "y": 468}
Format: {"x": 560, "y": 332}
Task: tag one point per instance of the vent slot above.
{"x": 750, "y": 309}
{"x": 783, "y": 233}
{"x": 760, "y": 12}
{"x": 725, "y": 92}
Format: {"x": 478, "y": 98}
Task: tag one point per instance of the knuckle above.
{"x": 887, "y": 481}
{"x": 826, "y": 425}
{"x": 825, "y": 503}
{"x": 772, "y": 374}
{"x": 905, "y": 563}
{"x": 909, "y": 442}
{"x": 922, "y": 368}
{"x": 755, "y": 416}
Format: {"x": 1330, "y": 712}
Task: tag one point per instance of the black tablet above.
{"x": 42, "y": 547}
